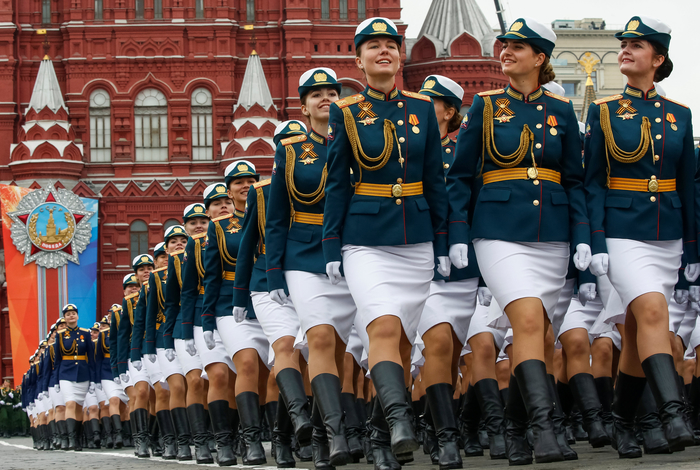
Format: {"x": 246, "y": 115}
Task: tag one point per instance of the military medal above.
{"x": 233, "y": 226}
{"x": 672, "y": 119}
{"x": 413, "y": 120}
{"x": 552, "y": 122}
{"x": 308, "y": 155}
{"x": 626, "y": 111}
{"x": 366, "y": 115}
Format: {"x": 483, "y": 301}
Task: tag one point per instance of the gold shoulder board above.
{"x": 417, "y": 96}
{"x": 674, "y": 101}
{"x": 260, "y": 184}
{"x": 609, "y": 98}
{"x": 293, "y": 140}
{"x": 348, "y": 100}
{"x": 178, "y": 252}
{"x": 222, "y": 217}
{"x": 556, "y": 97}
{"x": 159, "y": 269}
{"x": 131, "y": 296}
{"x": 492, "y": 92}
{"x": 85, "y": 330}
{"x": 199, "y": 235}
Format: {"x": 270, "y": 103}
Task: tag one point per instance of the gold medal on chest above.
{"x": 672, "y": 119}
{"x": 626, "y": 111}
{"x": 366, "y": 116}
{"x": 413, "y": 120}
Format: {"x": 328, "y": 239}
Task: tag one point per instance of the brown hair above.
{"x": 456, "y": 120}
{"x": 666, "y": 67}
{"x": 546, "y": 70}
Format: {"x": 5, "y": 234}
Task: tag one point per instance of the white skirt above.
{"x": 74, "y": 391}
{"x": 187, "y": 362}
{"x": 168, "y": 368}
{"x": 247, "y": 334}
{"x": 155, "y": 374}
{"x": 516, "y": 270}
{"x": 354, "y": 346}
{"x": 56, "y": 397}
{"x": 479, "y": 324}
{"x": 389, "y": 280}
{"x": 580, "y": 316}
{"x": 207, "y": 356}
{"x": 318, "y": 302}
{"x": 113, "y": 390}
{"x": 561, "y": 310}
{"x": 676, "y": 313}
{"x": 91, "y": 400}
{"x": 277, "y": 321}
{"x": 687, "y": 325}
{"x": 450, "y": 302}
{"x": 694, "y": 340}
{"x": 639, "y": 267}
{"x": 136, "y": 376}
{"x": 101, "y": 396}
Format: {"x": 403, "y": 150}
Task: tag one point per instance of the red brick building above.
{"x": 156, "y": 103}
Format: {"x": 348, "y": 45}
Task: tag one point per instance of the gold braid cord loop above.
{"x": 306, "y": 199}
{"x": 261, "y": 217}
{"x": 178, "y": 270}
{"x": 221, "y": 242}
{"x": 527, "y": 140}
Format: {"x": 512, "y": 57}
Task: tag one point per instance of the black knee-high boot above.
{"x": 361, "y": 411}
{"x": 430, "y": 443}
{"x": 439, "y": 400}
{"x": 559, "y": 422}
{"x": 95, "y": 434}
{"x": 291, "y": 385}
{"x": 535, "y": 390}
{"x": 628, "y": 392}
{"x": 694, "y": 399}
{"x": 388, "y": 380}
{"x": 72, "y": 428}
{"x": 218, "y": 412}
{"x": 380, "y": 439}
{"x": 184, "y": 434}
{"x": 62, "y": 434}
{"x": 319, "y": 440}
{"x": 517, "y": 447}
{"x": 200, "y": 433}
{"x": 604, "y": 386}
{"x": 53, "y": 433}
{"x": 249, "y": 412}
{"x": 116, "y": 428}
{"x": 649, "y": 423}
{"x": 493, "y": 415}
{"x": 469, "y": 418}
{"x": 140, "y": 420}
{"x": 661, "y": 376}
{"x": 128, "y": 433}
{"x": 586, "y": 396}
{"x": 108, "y": 432}
{"x": 282, "y": 434}
{"x": 326, "y": 388}
{"x": 167, "y": 432}
{"x": 353, "y": 426}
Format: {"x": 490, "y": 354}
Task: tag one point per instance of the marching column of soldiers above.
{"x": 391, "y": 288}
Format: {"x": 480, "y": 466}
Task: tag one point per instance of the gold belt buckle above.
{"x": 653, "y": 185}
{"x": 532, "y": 173}
{"x": 396, "y": 190}
{"x": 75, "y": 358}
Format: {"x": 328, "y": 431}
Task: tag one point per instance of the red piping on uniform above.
{"x": 405, "y": 238}
{"x": 331, "y": 238}
{"x": 539, "y": 225}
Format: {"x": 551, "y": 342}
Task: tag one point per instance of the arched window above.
{"x": 343, "y": 9}
{"x": 100, "y": 128}
{"x": 202, "y": 138}
{"x": 139, "y": 238}
{"x": 151, "y": 126}
{"x": 169, "y": 223}
{"x": 250, "y": 11}
{"x": 325, "y": 9}
{"x": 361, "y": 13}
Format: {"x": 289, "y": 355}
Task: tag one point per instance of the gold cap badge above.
{"x": 516, "y": 26}
{"x": 294, "y": 127}
{"x": 220, "y": 189}
{"x": 144, "y": 259}
{"x": 242, "y": 167}
{"x": 198, "y": 209}
{"x": 632, "y": 25}
{"x": 378, "y": 26}
{"x": 177, "y": 230}
{"x": 429, "y": 84}
{"x": 320, "y": 77}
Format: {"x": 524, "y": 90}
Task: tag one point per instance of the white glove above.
{"x": 599, "y": 264}
{"x": 11, "y": 395}
{"x": 98, "y": 386}
{"x": 333, "y": 272}
{"x": 582, "y": 257}
{"x": 57, "y": 388}
{"x": 137, "y": 365}
{"x": 209, "y": 340}
{"x": 190, "y": 347}
{"x": 117, "y": 381}
{"x": 91, "y": 388}
{"x": 694, "y": 293}
{"x": 459, "y": 255}
{"x": 444, "y": 266}
{"x": 2, "y": 402}
{"x": 586, "y": 292}
{"x": 484, "y": 295}
{"x": 239, "y": 313}
{"x": 681, "y": 296}
{"x": 695, "y": 306}
{"x": 280, "y": 297}
{"x": 692, "y": 271}
{"x": 151, "y": 357}
{"x": 124, "y": 377}
{"x": 43, "y": 394}
{"x": 170, "y": 355}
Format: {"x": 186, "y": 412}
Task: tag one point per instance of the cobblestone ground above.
{"x": 17, "y": 453}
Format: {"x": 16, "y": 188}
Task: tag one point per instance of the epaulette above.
{"x": 84, "y": 329}
{"x": 175, "y": 253}
{"x": 159, "y": 269}
{"x": 557, "y": 97}
{"x": 293, "y": 139}
{"x": 674, "y": 101}
{"x": 260, "y": 184}
{"x": 228, "y": 216}
{"x": 609, "y": 98}
{"x": 348, "y": 100}
{"x": 199, "y": 235}
{"x": 131, "y": 296}
{"x": 492, "y": 92}
{"x": 417, "y": 96}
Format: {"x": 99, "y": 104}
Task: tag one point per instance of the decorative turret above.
{"x": 46, "y": 148}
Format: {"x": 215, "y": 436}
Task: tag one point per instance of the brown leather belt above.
{"x": 389, "y": 190}
{"x": 651, "y": 185}
{"x": 531, "y": 173}
{"x": 308, "y": 218}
